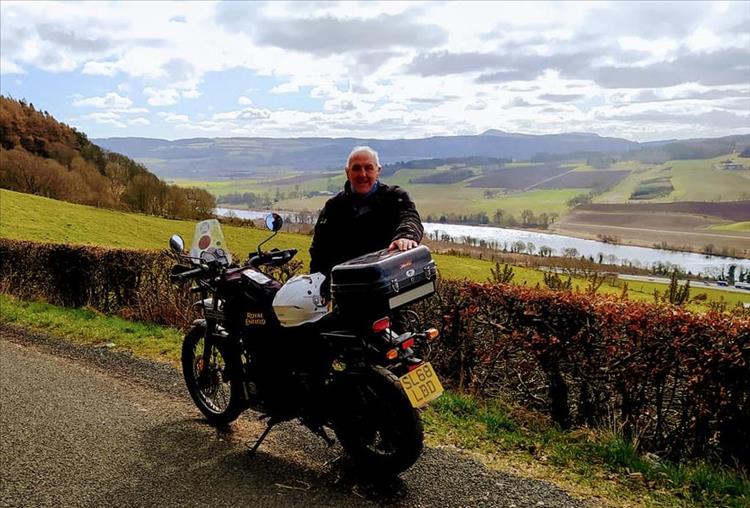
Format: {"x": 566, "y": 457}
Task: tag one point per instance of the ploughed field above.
{"x": 583, "y": 179}
{"x": 694, "y": 224}
{"x": 518, "y": 178}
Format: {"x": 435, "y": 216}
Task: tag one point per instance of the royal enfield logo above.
{"x": 255, "y": 318}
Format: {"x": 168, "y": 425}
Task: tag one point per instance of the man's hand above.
{"x": 402, "y": 244}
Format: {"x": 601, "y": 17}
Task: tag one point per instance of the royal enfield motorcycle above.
{"x": 286, "y": 351}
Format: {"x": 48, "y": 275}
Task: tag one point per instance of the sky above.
{"x": 637, "y": 70}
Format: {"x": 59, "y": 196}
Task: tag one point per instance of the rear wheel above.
{"x": 214, "y": 384}
{"x": 377, "y": 426}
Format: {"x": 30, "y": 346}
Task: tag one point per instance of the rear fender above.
{"x": 339, "y": 389}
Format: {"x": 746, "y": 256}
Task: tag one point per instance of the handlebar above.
{"x": 272, "y": 258}
{"x": 188, "y": 274}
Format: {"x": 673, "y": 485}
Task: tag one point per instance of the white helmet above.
{"x": 299, "y": 301}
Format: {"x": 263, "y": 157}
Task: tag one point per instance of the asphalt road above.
{"x": 85, "y": 426}
{"x": 696, "y": 285}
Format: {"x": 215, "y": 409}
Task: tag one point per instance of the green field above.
{"x": 693, "y": 180}
{"x": 28, "y": 217}
{"x": 736, "y": 226}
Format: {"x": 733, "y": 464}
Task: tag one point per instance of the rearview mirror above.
{"x": 274, "y": 222}
{"x": 177, "y": 244}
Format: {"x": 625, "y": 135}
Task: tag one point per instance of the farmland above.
{"x": 518, "y": 178}
{"x": 716, "y": 227}
{"x": 548, "y": 188}
{"x": 584, "y": 179}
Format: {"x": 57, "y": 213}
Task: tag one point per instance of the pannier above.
{"x": 382, "y": 281}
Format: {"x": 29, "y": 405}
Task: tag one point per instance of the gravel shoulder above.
{"x": 88, "y": 426}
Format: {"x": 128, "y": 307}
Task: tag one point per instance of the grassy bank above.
{"x": 589, "y": 464}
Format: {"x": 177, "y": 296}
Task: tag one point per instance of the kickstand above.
{"x": 271, "y": 423}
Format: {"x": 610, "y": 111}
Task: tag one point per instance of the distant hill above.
{"x": 39, "y": 155}
{"x": 201, "y": 158}
{"x": 206, "y": 158}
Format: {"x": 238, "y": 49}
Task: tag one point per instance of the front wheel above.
{"x": 214, "y": 385}
{"x": 377, "y": 426}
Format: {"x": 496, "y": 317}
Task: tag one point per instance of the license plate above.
{"x": 421, "y": 385}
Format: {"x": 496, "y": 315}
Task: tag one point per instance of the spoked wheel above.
{"x": 378, "y": 427}
{"x": 213, "y": 384}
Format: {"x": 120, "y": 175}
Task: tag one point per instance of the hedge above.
{"x": 677, "y": 382}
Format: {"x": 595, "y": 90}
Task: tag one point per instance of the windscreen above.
{"x": 208, "y": 235}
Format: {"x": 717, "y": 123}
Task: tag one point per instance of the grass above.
{"x": 689, "y": 179}
{"x": 85, "y": 326}
{"x": 693, "y": 180}
{"x": 698, "y": 180}
{"x": 28, "y": 217}
{"x": 737, "y": 226}
{"x": 588, "y": 463}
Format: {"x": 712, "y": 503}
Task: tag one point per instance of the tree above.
{"x": 570, "y": 252}
{"x": 497, "y": 218}
{"x": 527, "y": 217}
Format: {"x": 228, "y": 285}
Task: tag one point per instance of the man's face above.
{"x": 362, "y": 172}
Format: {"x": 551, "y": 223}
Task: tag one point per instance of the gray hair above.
{"x": 360, "y": 149}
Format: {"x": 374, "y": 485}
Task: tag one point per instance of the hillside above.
{"x": 39, "y": 155}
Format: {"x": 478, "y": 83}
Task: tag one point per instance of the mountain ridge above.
{"x": 205, "y": 158}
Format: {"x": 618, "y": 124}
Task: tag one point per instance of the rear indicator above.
{"x": 432, "y": 334}
{"x": 381, "y": 325}
{"x": 392, "y": 354}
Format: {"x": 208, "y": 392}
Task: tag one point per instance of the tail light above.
{"x": 407, "y": 343}
{"x": 432, "y": 334}
{"x": 381, "y": 325}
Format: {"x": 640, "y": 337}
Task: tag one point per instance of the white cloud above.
{"x": 9, "y": 67}
{"x": 100, "y": 68}
{"x": 161, "y": 96}
{"x": 285, "y": 88}
{"x": 129, "y": 110}
{"x": 174, "y": 118}
{"x": 107, "y": 118}
{"x": 108, "y": 100}
{"x": 139, "y": 121}
{"x": 244, "y": 100}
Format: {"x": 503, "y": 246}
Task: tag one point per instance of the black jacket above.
{"x": 351, "y": 225}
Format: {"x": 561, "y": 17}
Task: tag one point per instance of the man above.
{"x": 366, "y": 216}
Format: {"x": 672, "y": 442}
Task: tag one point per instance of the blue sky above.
{"x": 639, "y": 70}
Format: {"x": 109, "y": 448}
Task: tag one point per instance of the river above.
{"x": 615, "y": 254}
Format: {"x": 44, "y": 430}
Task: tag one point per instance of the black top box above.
{"x": 383, "y": 281}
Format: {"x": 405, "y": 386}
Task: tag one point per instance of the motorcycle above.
{"x": 286, "y": 351}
